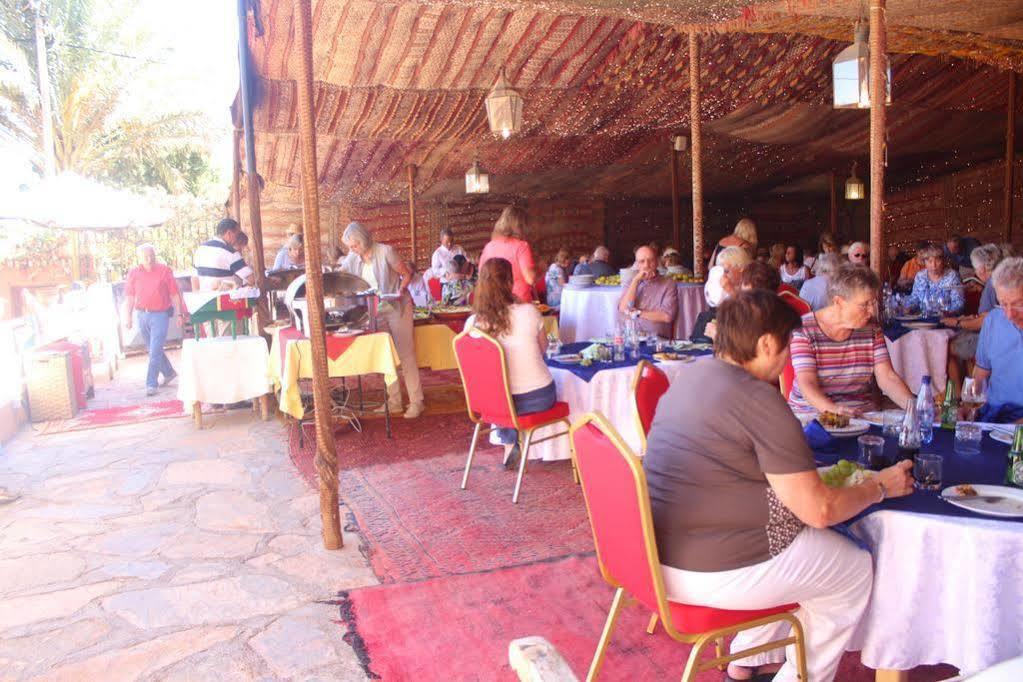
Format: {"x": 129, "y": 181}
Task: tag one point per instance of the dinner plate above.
{"x": 856, "y": 427}
{"x": 568, "y": 358}
{"x": 1001, "y": 436}
{"x": 920, "y": 325}
{"x": 1011, "y": 507}
{"x": 908, "y": 318}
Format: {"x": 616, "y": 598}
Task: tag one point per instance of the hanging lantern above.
{"x": 851, "y": 74}
{"x": 855, "y": 190}
{"x": 504, "y": 108}
{"x": 476, "y": 180}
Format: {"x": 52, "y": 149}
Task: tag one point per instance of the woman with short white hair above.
{"x": 291, "y": 255}
{"x": 382, "y": 268}
{"x": 723, "y": 279}
{"x": 937, "y": 276}
{"x": 815, "y": 290}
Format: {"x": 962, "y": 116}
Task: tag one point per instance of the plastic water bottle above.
{"x": 925, "y": 410}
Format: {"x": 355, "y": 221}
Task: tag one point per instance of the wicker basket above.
{"x": 51, "y": 386}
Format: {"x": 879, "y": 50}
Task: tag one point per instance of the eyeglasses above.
{"x": 857, "y": 255}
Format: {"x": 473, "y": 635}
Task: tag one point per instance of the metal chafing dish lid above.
{"x": 334, "y": 284}
{"x": 280, "y": 280}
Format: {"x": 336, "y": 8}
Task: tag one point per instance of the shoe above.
{"x": 381, "y": 409}
{"x": 414, "y": 410}
{"x": 150, "y": 390}
{"x": 513, "y": 457}
{"x": 167, "y": 380}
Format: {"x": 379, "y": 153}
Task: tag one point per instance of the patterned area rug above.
{"x": 114, "y": 416}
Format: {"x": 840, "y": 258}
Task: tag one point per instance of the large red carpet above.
{"x": 459, "y": 627}
{"x": 114, "y": 416}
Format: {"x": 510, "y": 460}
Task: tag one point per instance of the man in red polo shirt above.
{"x": 152, "y": 290}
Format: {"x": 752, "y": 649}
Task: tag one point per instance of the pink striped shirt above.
{"x": 845, "y": 369}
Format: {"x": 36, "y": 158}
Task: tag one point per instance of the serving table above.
{"x": 222, "y": 369}
{"x": 593, "y": 311}
{"x": 433, "y": 341}
{"x": 948, "y": 583}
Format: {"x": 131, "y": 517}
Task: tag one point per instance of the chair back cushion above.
{"x": 484, "y": 377}
{"x": 435, "y": 289}
{"x": 796, "y": 303}
{"x": 614, "y": 487}
{"x": 651, "y": 384}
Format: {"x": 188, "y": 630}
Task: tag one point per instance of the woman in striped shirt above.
{"x": 840, "y": 351}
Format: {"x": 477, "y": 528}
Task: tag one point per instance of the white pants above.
{"x": 825, "y": 573}
{"x": 398, "y": 321}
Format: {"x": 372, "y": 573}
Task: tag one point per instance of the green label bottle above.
{"x": 949, "y": 408}
{"x": 1014, "y": 470}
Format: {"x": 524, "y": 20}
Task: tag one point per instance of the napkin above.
{"x": 818, "y": 438}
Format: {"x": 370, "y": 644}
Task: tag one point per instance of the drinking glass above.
{"x": 660, "y": 345}
{"x": 872, "y": 452}
{"x": 974, "y": 394}
{"x": 927, "y": 471}
{"x": 968, "y": 437}
{"x": 619, "y": 351}
{"x": 892, "y": 422}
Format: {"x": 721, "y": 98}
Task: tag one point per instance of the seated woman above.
{"x": 740, "y": 513}
{"x": 457, "y": 284}
{"x": 518, "y": 327}
{"x": 937, "y": 276}
{"x": 557, "y": 277}
{"x": 840, "y": 350}
{"x": 723, "y": 281}
{"x": 754, "y": 276}
{"x": 792, "y": 271}
{"x": 1000, "y": 349}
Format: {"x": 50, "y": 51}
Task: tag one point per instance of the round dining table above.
{"x": 592, "y": 312}
{"x": 948, "y": 583}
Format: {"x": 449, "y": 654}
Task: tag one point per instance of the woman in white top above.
{"x": 381, "y": 267}
{"x": 792, "y": 270}
{"x": 518, "y": 327}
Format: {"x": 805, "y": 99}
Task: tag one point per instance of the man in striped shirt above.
{"x": 217, "y": 260}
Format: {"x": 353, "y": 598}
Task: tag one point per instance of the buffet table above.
{"x": 592, "y": 312}
{"x": 946, "y": 581}
{"x": 223, "y": 370}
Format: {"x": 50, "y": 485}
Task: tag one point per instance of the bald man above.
{"x": 650, "y": 299}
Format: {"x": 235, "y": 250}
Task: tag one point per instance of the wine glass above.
{"x": 944, "y": 300}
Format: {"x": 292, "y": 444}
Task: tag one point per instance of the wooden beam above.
{"x": 676, "y": 207}
{"x": 878, "y": 145}
{"x": 1010, "y": 156}
{"x": 236, "y": 176}
{"x": 412, "y": 211}
{"x": 833, "y": 214}
{"x": 326, "y": 448}
{"x": 696, "y": 144}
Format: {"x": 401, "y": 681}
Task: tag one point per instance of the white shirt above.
{"x": 441, "y": 257}
{"x": 419, "y": 291}
{"x": 801, "y": 275}
{"x": 713, "y": 290}
{"x": 216, "y": 261}
{"x": 527, "y": 370}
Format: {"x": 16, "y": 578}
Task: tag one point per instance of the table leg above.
{"x": 197, "y": 414}
{"x": 891, "y": 676}
{"x": 264, "y": 407}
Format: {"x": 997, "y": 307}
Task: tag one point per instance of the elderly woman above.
{"x": 740, "y": 513}
{"x": 383, "y": 269}
{"x": 815, "y": 290}
{"x": 291, "y": 255}
{"x": 840, "y": 351}
{"x": 984, "y": 259}
{"x": 935, "y": 277}
{"x": 1000, "y": 349}
{"x": 518, "y": 327}
{"x": 723, "y": 278}
{"x": 506, "y": 242}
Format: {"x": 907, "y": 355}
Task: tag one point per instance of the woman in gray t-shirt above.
{"x": 740, "y": 513}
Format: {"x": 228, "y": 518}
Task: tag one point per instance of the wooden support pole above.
{"x": 1010, "y": 156}
{"x": 833, "y": 214}
{"x": 676, "y": 203}
{"x": 696, "y": 143}
{"x": 236, "y": 176}
{"x": 878, "y": 145}
{"x": 326, "y": 449}
{"x": 412, "y": 210}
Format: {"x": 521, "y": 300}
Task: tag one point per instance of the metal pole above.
{"x": 412, "y": 210}
{"x": 696, "y": 142}
{"x": 1010, "y": 156}
{"x": 326, "y": 448}
{"x": 43, "y": 72}
{"x": 878, "y": 114}
{"x": 251, "y": 176}
{"x": 676, "y": 215}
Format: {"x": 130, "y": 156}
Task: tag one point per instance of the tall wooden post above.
{"x": 43, "y": 73}
{"x": 236, "y": 176}
{"x": 696, "y": 142}
{"x": 833, "y": 212}
{"x": 412, "y": 211}
{"x": 326, "y": 449}
{"x": 1010, "y": 156}
{"x": 878, "y": 114}
{"x": 676, "y": 204}
{"x": 252, "y": 188}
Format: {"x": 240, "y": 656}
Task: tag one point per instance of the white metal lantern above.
{"x": 851, "y": 74}
{"x": 504, "y": 108}
{"x": 679, "y": 143}
{"x": 476, "y": 180}
{"x": 854, "y": 187}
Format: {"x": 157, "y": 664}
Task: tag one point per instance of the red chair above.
{"x": 649, "y": 384}
{"x": 787, "y": 289}
{"x": 435, "y": 288}
{"x": 484, "y": 372}
{"x": 796, "y": 303}
{"x": 788, "y": 374}
{"x": 618, "y": 503}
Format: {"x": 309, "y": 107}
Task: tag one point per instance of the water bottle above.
{"x": 925, "y": 410}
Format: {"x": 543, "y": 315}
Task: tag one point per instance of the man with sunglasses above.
{"x": 859, "y": 254}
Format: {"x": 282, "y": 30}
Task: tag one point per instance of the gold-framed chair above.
{"x": 649, "y": 383}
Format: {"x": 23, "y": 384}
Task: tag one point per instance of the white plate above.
{"x": 920, "y": 325}
{"x": 907, "y": 318}
{"x": 1001, "y": 436}
{"x": 1011, "y": 508}
{"x": 857, "y": 427}
{"x": 568, "y": 359}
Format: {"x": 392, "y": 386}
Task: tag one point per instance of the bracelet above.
{"x": 884, "y": 492}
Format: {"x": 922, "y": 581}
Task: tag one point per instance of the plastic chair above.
{"x": 488, "y": 397}
{"x": 618, "y": 503}
{"x": 436, "y": 288}
{"x": 648, "y": 385}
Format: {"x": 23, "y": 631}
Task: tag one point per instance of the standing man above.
{"x": 152, "y": 290}
{"x": 650, "y": 299}
{"x": 444, "y": 253}
{"x": 218, "y": 262}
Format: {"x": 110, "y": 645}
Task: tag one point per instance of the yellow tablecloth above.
{"x": 550, "y": 325}
{"x": 433, "y": 346}
{"x": 368, "y": 354}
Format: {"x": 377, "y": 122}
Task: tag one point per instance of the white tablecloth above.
{"x": 592, "y": 312}
{"x": 608, "y": 392}
{"x": 920, "y": 352}
{"x": 946, "y": 590}
{"x": 223, "y": 370}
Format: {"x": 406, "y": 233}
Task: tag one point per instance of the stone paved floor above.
{"x": 153, "y": 551}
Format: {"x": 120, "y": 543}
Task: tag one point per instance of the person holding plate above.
{"x": 840, "y": 351}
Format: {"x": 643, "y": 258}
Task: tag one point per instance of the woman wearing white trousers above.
{"x": 740, "y": 513}
{"x": 381, "y": 267}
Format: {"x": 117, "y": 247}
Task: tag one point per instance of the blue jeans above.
{"x": 153, "y": 327}
{"x": 526, "y": 403}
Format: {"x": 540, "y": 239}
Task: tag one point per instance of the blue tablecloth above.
{"x": 895, "y": 330}
{"x": 986, "y": 468}
{"x": 586, "y": 373}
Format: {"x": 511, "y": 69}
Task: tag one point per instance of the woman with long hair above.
{"x": 507, "y": 242}
{"x": 518, "y": 327}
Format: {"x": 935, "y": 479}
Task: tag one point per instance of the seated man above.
{"x": 1000, "y": 349}
{"x": 599, "y": 266}
{"x": 650, "y": 299}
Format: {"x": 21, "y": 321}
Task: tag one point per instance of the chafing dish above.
{"x": 276, "y": 284}
{"x": 348, "y": 303}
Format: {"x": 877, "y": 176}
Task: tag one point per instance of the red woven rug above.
{"x": 114, "y": 416}
{"x": 459, "y": 627}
